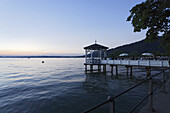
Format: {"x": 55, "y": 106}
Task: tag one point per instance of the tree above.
{"x": 154, "y": 16}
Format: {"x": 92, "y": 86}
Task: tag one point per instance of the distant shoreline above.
{"x": 41, "y": 56}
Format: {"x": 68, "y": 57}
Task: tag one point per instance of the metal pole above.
{"x": 112, "y": 105}
{"x": 164, "y": 81}
{"x": 151, "y": 94}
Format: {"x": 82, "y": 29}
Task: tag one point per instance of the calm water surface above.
{"x": 62, "y": 86}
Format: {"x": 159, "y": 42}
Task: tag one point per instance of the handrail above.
{"x": 111, "y": 99}
{"x": 143, "y": 100}
{"x": 91, "y": 109}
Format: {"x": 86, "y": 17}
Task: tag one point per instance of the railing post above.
{"x": 112, "y": 105}
{"x": 151, "y": 94}
{"x": 163, "y": 81}
{"x": 162, "y": 63}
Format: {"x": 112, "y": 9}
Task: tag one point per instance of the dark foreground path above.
{"x": 161, "y": 102}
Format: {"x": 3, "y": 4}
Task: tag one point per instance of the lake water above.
{"x": 60, "y": 85}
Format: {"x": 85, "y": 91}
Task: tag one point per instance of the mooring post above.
{"x": 151, "y": 95}
{"x": 112, "y": 105}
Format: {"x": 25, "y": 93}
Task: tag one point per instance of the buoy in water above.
{"x": 42, "y": 61}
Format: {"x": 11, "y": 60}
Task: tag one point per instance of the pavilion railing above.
{"x": 111, "y": 100}
{"x": 93, "y": 61}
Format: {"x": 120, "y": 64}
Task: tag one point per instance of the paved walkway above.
{"x": 161, "y": 102}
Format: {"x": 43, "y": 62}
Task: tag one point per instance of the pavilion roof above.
{"x": 95, "y": 47}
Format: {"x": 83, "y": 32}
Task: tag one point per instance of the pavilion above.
{"x": 94, "y": 54}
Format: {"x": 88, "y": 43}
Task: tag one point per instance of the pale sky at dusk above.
{"x": 64, "y": 27}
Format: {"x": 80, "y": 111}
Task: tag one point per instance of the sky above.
{"x": 64, "y": 27}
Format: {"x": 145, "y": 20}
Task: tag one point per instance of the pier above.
{"x": 160, "y": 103}
{"x": 96, "y": 55}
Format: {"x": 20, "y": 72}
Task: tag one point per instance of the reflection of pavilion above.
{"x": 94, "y": 54}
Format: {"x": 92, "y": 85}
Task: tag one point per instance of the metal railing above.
{"x": 111, "y": 100}
{"x": 153, "y": 63}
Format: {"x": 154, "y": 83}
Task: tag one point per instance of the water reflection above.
{"x": 96, "y": 83}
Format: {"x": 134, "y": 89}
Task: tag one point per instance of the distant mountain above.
{"x": 137, "y": 48}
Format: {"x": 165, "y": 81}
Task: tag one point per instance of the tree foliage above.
{"x": 154, "y": 16}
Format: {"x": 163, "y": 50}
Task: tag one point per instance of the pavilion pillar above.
{"x": 105, "y": 55}
{"x": 91, "y": 56}
{"x": 86, "y": 56}
{"x": 100, "y": 54}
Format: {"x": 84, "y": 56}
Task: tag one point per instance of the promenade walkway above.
{"x": 161, "y": 102}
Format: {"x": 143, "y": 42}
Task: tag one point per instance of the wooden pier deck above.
{"x": 129, "y": 64}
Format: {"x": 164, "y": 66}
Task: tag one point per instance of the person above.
{"x": 169, "y": 61}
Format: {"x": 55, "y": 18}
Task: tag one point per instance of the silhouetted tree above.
{"x": 154, "y": 16}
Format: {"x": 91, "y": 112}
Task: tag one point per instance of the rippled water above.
{"x": 62, "y": 86}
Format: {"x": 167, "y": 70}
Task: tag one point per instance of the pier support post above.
{"x": 131, "y": 71}
{"x": 99, "y": 68}
{"x": 127, "y": 72}
{"x": 111, "y": 68}
{"x": 85, "y": 67}
{"x": 104, "y": 68}
{"x": 91, "y": 67}
{"x": 116, "y": 70}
